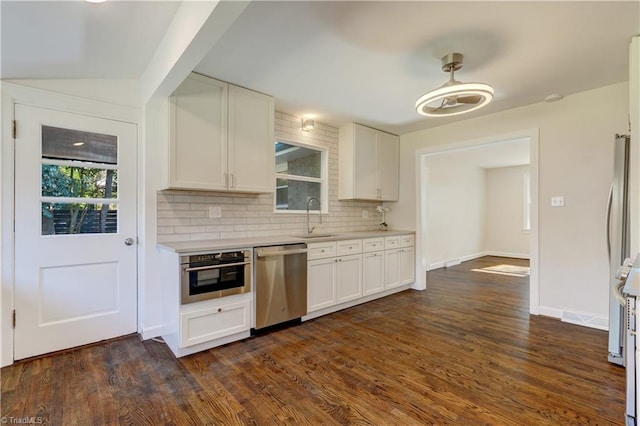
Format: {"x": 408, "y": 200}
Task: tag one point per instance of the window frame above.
{"x": 323, "y": 180}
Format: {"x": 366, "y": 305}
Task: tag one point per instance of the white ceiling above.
{"x": 343, "y": 61}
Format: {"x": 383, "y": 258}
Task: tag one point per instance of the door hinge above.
{"x": 14, "y": 129}
{"x": 14, "y": 318}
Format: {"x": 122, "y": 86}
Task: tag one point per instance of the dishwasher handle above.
{"x": 270, "y": 253}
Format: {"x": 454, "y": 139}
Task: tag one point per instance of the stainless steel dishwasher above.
{"x": 280, "y": 284}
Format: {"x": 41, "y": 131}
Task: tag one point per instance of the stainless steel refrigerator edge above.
{"x": 280, "y": 284}
{"x": 618, "y": 244}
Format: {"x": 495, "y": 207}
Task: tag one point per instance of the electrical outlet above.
{"x": 557, "y": 201}
{"x": 365, "y": 214}
{"x": 215, "y": 212}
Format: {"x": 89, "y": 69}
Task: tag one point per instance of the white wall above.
{"x": 472, "y": 212}
{"x": 504, "y": 234}
{"x": 456, "y": 208}
{"x": 575, "y": 160}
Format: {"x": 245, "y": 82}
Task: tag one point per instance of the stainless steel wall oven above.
{"x": 212, "y": 275}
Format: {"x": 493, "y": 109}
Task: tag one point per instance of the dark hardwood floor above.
{"x": 464, "y": 352}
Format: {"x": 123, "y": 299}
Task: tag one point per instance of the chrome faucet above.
{"x": 310, "y": 228}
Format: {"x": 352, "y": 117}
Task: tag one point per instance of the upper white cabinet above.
{"x": 222, "y": 137}
{"x": 368, "y": 164}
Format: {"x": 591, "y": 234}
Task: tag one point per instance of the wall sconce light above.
{"x": 307, "y": 124}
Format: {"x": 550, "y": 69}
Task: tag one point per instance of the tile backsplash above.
{"x": 184, "y": 215}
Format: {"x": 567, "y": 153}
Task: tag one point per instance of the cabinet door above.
{"x": 365, "y": 163}
{"x": 321, "y": 285}
{"x": 391, "y": 268}
{"x": 406, "y": 265}
{"x": 349, "y": 278}
{"x": 198, "y": 140}
{"x": 373, "y": 272}
{"x": 214, "y": 321}
{"x": 251, "y": 154}
{"x": 388, "y": 158}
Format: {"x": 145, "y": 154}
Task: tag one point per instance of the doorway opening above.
{"x": 476, "y": 190}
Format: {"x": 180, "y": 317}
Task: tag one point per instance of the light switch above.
{"x": 557, "y": 201}
{"x": 215, "y": 212}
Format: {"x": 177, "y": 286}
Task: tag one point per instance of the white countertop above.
{"x": 632, "y": 286}
{"x": 238, "y": 243}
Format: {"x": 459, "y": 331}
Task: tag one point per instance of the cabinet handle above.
{"x": 233, "y": 180}
{"x": 219, "y": 309}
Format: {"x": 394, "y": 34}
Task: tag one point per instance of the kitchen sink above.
{"x": 316, "y": 236}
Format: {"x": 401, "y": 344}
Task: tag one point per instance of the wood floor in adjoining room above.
{"x": 464, "y": 352}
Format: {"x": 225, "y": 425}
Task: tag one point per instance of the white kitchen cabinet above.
{"x": 348, "y": 278}
{"x": 214, "y": 319}
{"x": 321, "y": 283}
{"x": 334, "y": 273}
{"x": 220, "y": 136}
{"x": 368, "y": 164}
{"x": 333, "y": 280}
{"x": 372, "y": 272}
{"x": 399, "y": 261}
{"x": 407, "y": 272}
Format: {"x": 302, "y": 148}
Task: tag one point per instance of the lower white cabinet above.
{"x": 347, "y": 271}
{"x": 372, "y": 272}
{"x": 399, "y": 267}
{"x": 333, "y": 280}
{"x": 334, "y": 273}
{"x": 321, "y": 284}
{"x": 399, "y": 261}
{"x": 213, "y": 319}
{"x": 348, "y": 278}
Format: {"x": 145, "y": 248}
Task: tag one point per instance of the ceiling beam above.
{"x": 196, "y": 27}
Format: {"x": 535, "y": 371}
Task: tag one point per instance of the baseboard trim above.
{"x": 550, "y": 312}
{"x": 466, "y": 258}
{"x": 149, "y": 332}
{"x": 586, "y": 320}
{"x": 506, "y": 254}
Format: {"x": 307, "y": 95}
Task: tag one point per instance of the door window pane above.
{"x": 74, "y": 185}
{"x": 72, "y": 218}
{"x": 78, "y": 182}
{"x": 68, "y": 144}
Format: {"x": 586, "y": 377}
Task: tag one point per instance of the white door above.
{"x": 75, "y": 230}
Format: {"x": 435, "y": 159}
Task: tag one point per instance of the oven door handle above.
{"x": 222, "y": 265}
{"x": 267, "y": 253}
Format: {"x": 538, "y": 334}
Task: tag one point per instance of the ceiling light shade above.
{"x": 454, "y": 97}
{"x": 307, "y": 124}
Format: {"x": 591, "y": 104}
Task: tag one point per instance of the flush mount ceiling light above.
{"x": 454, "y": 97}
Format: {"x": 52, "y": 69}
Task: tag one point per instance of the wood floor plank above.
{"x": 464, "y": 352}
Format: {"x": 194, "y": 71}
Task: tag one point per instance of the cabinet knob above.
{"x": 219, "y": 309}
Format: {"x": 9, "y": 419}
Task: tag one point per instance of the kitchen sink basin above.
{"x": 316, "y": 236}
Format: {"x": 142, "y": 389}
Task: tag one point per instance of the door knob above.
{"x": 128, "y": 242}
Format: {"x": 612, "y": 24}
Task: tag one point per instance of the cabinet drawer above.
{"x": 349, "y": 247}
{"x": 407, "y": 241}
{"x": 391, "y": 242}
{"x": 321, "y": 250}
{"x": 214, "y": 321}
{"x": 372, "y": 244}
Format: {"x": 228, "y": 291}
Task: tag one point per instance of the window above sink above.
{"x": 301, "y": 172}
